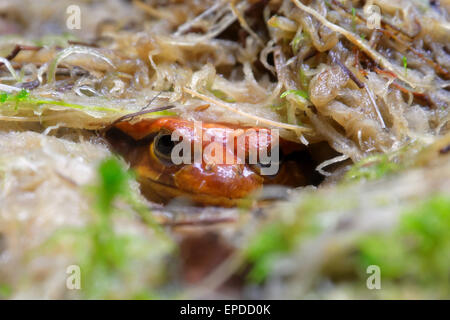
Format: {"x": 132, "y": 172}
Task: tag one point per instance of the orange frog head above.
{"x": 209, "y": 163}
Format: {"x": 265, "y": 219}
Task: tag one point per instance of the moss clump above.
{"x": 5, "y": 291}
{"x": 372, "y": 168}
{"x": 264, "y": 248}
{"x": 24, "y": 100}
{"x": 278, "y": 238}
{"x": 418, "y": 250}
{"x": 110, "y": 260}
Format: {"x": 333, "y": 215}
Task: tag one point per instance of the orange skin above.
{"x": 203, "y": 183}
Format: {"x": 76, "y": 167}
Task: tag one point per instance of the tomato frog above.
{"x": 148, "y": 146}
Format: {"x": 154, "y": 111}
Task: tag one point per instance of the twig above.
{"x": 17, "y": 49}
{"x": 360, "y": 85}
{"x": 245, "y": 114}
{"x": 139, "y": 113}
{"x": 82, "y": 43}
{"x": 352, "y": 76}
{"x": 377, "y": 110}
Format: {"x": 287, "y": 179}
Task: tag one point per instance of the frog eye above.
{"x": 163, "y": 145}
{"x": 258, "y": 166}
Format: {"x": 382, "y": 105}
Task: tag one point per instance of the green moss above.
{"x": 300, "y": 93}
{"x": 295, "y": 43}
{"x": 354, "y": 19}
{"x": 222, "y": 95}
{"x": 5, "y": 291}
{"x": 59, "y": 40}
{"x": 418, "y": 250}
{"x": 22, "y": 95}
{"x": 109, "y": 253}
{"x": 263, "y": 249}
{"x": 299, "y": 40}
{"x": 303, "y": 79}
{"x": 273, "y": 22}
{"x": 278, "y": 238}
{"x": 109, "y": 260}
{"x": 3, "y": 97}
{"x": 278, "y": 107}
{"x": 23, "y": 99}
{"x": 372, "y": 167}
{"x": 113, "y": 183}
{"x": 405, "y": 64}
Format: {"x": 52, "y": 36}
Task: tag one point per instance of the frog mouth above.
{"x": 164, "y": 193}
